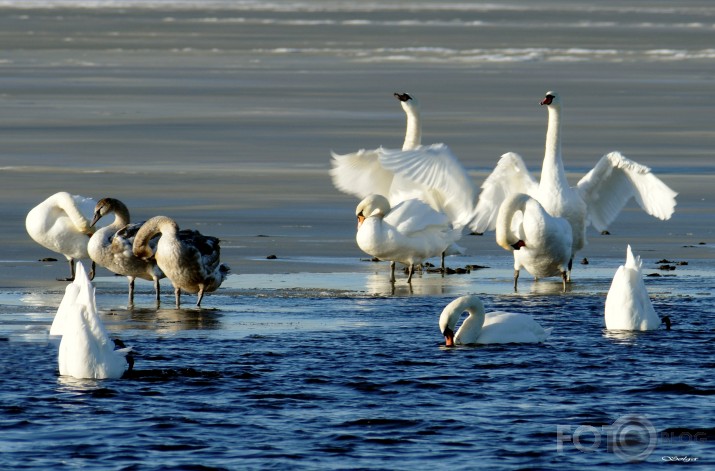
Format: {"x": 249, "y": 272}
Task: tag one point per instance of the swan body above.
{"x": 540, "y": 243}
{"x": 86, "y": 351}
{"x": 111, "y": 246}
{"x": 487, "y": 328}
{"x": 428, "y": 173}
{"x": 61, "y": 223}
{"x": 189, "y": 259}
{"x": 628, "y": 306}
{"x": 409, "y": 233}
{"x": 596, "y": 200}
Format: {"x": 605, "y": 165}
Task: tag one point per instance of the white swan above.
{"x": 61, "y": 223}
{"x": 540, "y": 243}
{"x": 628, "y": 306}
{"x": 86, "y": 351}
{"x": 111, "y": 246}
{"x": 429, "y": 173}
{"x": 189, "y": 259}
{"x": 597, "y": 198}
{"x": 485, "y": 328}
{"x": 409, "y": 233}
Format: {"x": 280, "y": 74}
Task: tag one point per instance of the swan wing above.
{"x": 413, "y": 216}
{"x": 438, "y": 177}
{"x": 360, "y": 173}
{"x": 508, "y": 177}
{"x": 613, "y": 181}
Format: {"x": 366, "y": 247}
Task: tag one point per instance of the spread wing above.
{"x": 613, "y": 181}
{"x": 510, "y": 176}
{"x": 360, "y": 173}
{"x": 434, "y": 175}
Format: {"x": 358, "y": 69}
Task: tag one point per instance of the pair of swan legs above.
{"x": 177, "y": 294}
{"x": 565, "y": 276}
{"x": 72, "y": 271}
{"x": 411, "y": 271}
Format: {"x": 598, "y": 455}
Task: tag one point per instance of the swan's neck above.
{"x": 413, "y": 134}
{"x": 472, "y": 325}
{"x": 552, "y": 170}
{"x": 66, "y": 203}
{"x": 157, "y": 224}
{"x": 121, "y": 216}
{"x": 504, "y": 235}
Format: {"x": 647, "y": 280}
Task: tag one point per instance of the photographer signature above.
{"x": 682, "y": 459}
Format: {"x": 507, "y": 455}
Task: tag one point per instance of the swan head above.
{"x": 666, "y": 320}
{"x": 110, "y": 205}
{"x": 551, "y": 99}
{"x": 373, "y": 205}
{"x": 408, "y": 102}
{"x": 452, "y": 313}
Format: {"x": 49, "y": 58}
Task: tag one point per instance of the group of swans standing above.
{"x": 543, "y": 223}
{"x": 65, "y": 224}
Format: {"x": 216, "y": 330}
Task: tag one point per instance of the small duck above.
{"x": 111, "y": 246}
{"x": 188, "y": 258}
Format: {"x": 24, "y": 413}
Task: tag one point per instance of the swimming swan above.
{"x": 429, "y": 173}
{"x": 409, "y": 232}
{"x": 86, "y": 351}
{"x": 492, "y": 327}
{"x": 597, "y": 198}
{"x": 111, "y": 246}
{"x": 61, "y": 223}
{"x": 628, "y": 306}
{"x": 189, "y": 259}
{"x": 540, "y": 243}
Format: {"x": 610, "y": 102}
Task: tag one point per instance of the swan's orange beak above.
{"x": 360, "y": 219}
{"x": 547, "y": 100}
{"x": 518, "y": 245}
{"x": 448, "y": 337}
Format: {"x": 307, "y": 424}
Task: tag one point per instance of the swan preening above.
{"x": 86, "y": 351}
{"x": 409, "y": 232}
{"x": 111, "y": 246}
{"x": 628, "y": 306}
{"x": 597, "y": 198}
{"x": 486, "y": 328}
{"x": 189, "y": 259}
{"x": 540, "y": 243}
{"x": 428, "y": 173}
{"x": 61, "y": 223}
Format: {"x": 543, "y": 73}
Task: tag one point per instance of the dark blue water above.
{"x": 308, "y": 379}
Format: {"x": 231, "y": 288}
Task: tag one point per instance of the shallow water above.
{"x": 297, "y": 373}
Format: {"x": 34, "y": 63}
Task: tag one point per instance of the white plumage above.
{"x": 86, "y": 351}
{"x": 628, "y": 306}
{"x": 540, "y": 243}
{"x": 596, "y": 200}
{"x": 487, "y": 328}
{"x": 409, "y": 233}
{"x": 428, "y": 173}
{"x": 61, "y": 223}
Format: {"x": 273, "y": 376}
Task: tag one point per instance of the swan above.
{"x": 86, "y": 351}
{"x": 540, "y": 243}
{"x": 432, "y": 173}
{"x": 485, "y": 328}
{"x": 189, "y": 259}
{"x": 61, "y": 223}
{"x": 111, "y": 246}
{"x": 596, "y": 200}
{"x": 409, "y": 232}
{"x": 628, "y": 306}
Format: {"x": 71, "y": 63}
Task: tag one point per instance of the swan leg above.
{"x": 71, "y": 278}
{"x": 392, "y": 272}
{"x": 156, "y": 289}
{"x": 570, "y": 265}
{"x": 177, "y": 295}
{"x": 411, "y": 272}
{"x": 443, "y": 269}
{"x": 201, "y": 296}
{"x": 564, "y": 276}
{"x": 516, "y": 279}
{"x": 92, "y": 268}
{"x": 131, "y": 290}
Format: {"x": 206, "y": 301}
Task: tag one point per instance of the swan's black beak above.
{"x": 448, "y": 337}
{"x": 403, "y": 96}
{"x": 666, "y": 320}
{"x": 96, "y": 218}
